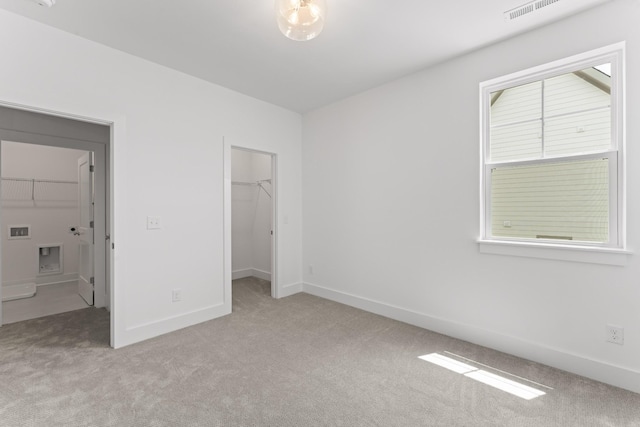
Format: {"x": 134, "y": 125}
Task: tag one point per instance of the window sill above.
{"x": 588, "y": 254}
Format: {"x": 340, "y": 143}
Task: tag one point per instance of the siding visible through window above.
{"x": 552, "y": 154}
{"x": 568, "y": 200}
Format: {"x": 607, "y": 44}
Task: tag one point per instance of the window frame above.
{"x": 614, "y": 54}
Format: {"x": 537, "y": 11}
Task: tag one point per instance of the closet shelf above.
{"x": 251, "y": 183}
{"x": 25, "y": 189}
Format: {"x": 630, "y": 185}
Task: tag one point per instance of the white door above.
{"x": 85, "y": 227}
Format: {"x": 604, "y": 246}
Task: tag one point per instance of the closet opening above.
{"x": 252, "y": 223}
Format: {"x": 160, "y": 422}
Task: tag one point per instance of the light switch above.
{"x": 153, "y": 223}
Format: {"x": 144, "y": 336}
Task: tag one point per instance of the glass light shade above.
{"x": 301, "y": 19}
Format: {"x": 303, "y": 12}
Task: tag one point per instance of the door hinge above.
{"x": 91, "y": 168}
{"x": 90, "y": 224}
{"x": 92, "y": 280}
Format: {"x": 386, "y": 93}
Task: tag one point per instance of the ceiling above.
{"x": 237, "y": 44}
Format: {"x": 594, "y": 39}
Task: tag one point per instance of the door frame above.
{"x": 104, "y": 155}
{"x": 85, "y": 230}
{"x": 275, "y": 285}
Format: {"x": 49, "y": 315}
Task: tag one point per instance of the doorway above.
{"x": 40, "y": 210}
{"x": 252, "y": 220}
{"x": 80, "y": 252}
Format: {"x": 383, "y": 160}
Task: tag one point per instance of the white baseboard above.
{"x": 288, "y": 290}
{"x": 600, "y": 371}
{"x": 58, "y": 278}
{"x": 261, "y": 274}
{"x": 43, "y": 280}
{"x": 149, "y": 330}
{"x": 250, "y": 272}
{"x": 241, "y": 274}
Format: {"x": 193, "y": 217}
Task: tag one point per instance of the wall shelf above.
{"x": 258, "y": 183}
{"x": 24, "y": 189}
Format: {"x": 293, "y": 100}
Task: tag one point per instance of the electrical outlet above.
{"x": 176, "y": 295}
{"x": 615, "y": 334}
{"x": 153, "y": 223}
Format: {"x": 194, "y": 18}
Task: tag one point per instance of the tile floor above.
{"x": 49, "y": 299}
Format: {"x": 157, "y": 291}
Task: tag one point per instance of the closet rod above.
{"x": 258, "y": 183}
{"x": 251, "y": 182}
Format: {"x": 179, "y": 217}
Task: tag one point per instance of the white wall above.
{"x": 242, "y": 213}
{"x": 390, "y": 184}
{"x": 167, "y": 161}
{"x": 49, "y": 216}
{"x": 391, "y": 216}
{"x": 251, "y": 215}
{"x": 261, "y": 255}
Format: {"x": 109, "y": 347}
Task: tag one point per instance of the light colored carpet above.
{"x": 298, "y": 361}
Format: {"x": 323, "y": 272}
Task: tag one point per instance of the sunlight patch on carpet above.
{"x": 449, "y": 363}
{"x": 501, "y": 383}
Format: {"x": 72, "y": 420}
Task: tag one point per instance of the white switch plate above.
{"x": 153, "y": 223}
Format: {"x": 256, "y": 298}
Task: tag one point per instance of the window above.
{"x": 552, "y": 154}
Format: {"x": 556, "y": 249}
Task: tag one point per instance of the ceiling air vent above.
{"x": 527, "y": 8}
{"x": 542, "y": 3}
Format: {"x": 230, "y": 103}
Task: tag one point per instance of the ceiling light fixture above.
{"x": 301, "y": 19}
